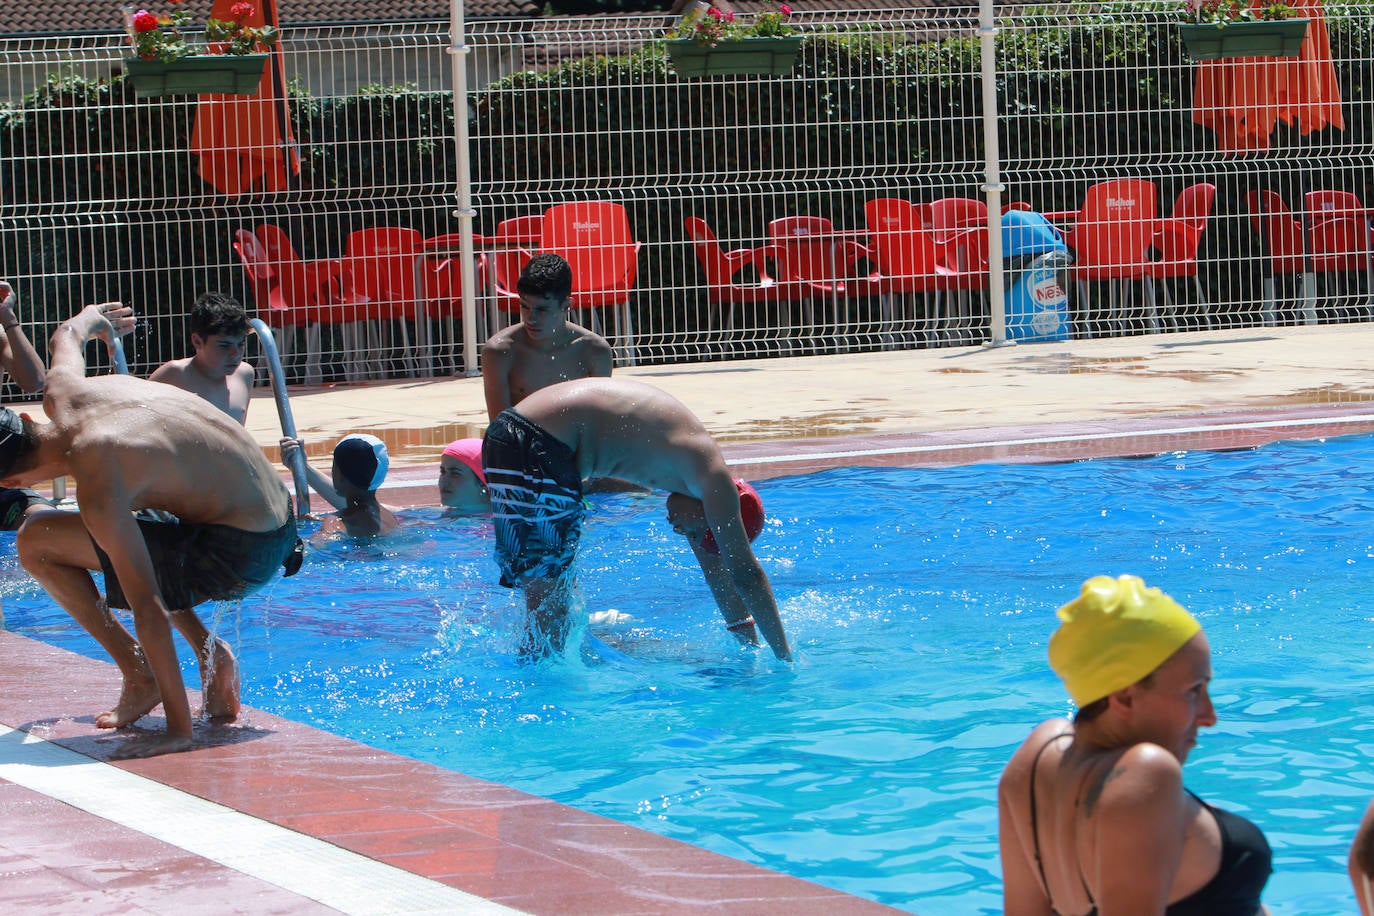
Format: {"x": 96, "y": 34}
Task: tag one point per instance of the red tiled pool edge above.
{"x": 519, "y": 850}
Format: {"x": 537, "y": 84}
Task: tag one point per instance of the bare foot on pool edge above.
{"x": 137, "y": 698}
{"x": 151, "y": 746}
{"x": 221, "y": 685}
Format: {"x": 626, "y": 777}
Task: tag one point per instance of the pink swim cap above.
{"x": 468, "y": 451}
{"x": 750, "y": 510}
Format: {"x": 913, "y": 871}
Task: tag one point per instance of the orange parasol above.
{"x": 1242, "y": 99}
{"x": 245, "y": 141}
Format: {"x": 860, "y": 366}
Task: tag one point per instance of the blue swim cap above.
{"x": 361, "y": 460}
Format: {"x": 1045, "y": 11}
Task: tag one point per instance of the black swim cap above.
{"x": 361, "y": 460}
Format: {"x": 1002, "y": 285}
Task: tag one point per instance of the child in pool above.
{"x": 360, "y": 466}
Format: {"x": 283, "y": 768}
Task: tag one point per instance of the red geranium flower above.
{"x": 144, "y": 21}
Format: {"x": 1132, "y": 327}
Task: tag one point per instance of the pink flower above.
{"x": 144, "y": 21}
{"x": 716, "y": 14}
{"x": 785, "y": 10}
{"x": 729, "y": 16}
{"x": 241, "y": 11}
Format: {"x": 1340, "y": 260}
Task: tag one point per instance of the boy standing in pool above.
{"x": 131, "y": 444}
{"x": 544, "y": 347}
{"x": 536, "y": 457}
{"x": 216, "y": 371}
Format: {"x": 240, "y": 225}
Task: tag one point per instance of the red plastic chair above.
{"x": 384, "y": 262}
{"x": 595, "y": 239}
{"x": 1285, "y": 253}
{"x": 724, "y": 271}
{"x": 1110, "y": 239}
{"x": 960, "y": 227}
{"x": 320, "y": 290}
{"x": 1177, "y": 241}
{"x": 511, "y": 251}
{"x": 441, "y": 298}
{"x": 1338, "y": 238}
{"x": 905, "y": 256}
{"x": 809, "y": 264}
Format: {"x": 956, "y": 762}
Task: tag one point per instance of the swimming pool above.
{"x": 919, "y": 602}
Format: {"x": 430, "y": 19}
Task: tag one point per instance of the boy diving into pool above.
{"x": 536, "y": 456}
{"x": 133, "y": 444}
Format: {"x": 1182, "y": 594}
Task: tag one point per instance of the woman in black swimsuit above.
{"x": 1093, "y": 816}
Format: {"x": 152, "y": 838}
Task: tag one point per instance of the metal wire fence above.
{"x": 832, "y": 205}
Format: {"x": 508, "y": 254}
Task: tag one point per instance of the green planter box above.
{"x": 1281, "y": 38}
{"x": 737, "y": 56}
{"x": 225, "y": 73}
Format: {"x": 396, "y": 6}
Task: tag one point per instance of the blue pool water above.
{"x": 919, "y": 601}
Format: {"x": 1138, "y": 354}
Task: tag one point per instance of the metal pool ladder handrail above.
{"x": 288, "y": 424}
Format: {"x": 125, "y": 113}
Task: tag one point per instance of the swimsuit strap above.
{"x": 1035, "y": 833}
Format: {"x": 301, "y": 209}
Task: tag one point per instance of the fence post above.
{"x": 457, "y": 52}
{"x": 992, "y": 187}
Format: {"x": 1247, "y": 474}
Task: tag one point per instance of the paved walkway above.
{"x": 878, "y": 394}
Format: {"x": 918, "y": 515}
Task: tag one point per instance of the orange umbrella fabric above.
{"x": 245, "y": 141}
{"x": 1243, "y": 99}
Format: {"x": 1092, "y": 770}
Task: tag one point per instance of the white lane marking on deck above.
{"x": 1038, "y": 440}
{"x": 344, "y": 880}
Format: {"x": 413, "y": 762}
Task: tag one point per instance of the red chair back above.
{"x": 382, "y": 263}
{"x": 722, "y": 268}
{"x": 268, "y": 300}
{"x": 595, "y": 239}
{"x": 321, "y": 288}
{"x": 1180, "y": 235}
{"x": 804, "y": 250}
{"x": 902, "y": 247}
{"x": 510, "y": 255}
{"x": 1320, "y": 205}
{"x": 1280, "y": 232}
{"x": 1112, "y": 234}
{"x": 960, "y": 228}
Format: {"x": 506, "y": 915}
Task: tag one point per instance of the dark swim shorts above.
{"x": 199, "y": 563}
{"x": 536, "y": 499}
{"x": 13, "y": 505}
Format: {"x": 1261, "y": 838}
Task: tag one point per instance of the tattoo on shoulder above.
{"x": 1094, "y": 793}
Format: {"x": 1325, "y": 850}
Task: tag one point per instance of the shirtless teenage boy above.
{"x": 536, "y": 456}
{"x": 545, "y": 347}
{"x": 216, "y": 371}
{"x": 131, "y": 444}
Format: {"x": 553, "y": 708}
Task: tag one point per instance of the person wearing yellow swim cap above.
{"x": 1093, "y": 817}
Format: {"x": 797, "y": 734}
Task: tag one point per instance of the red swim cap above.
{"x": 750, "y": 510}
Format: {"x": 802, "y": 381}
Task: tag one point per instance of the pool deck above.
{"x": 306, "y": 822}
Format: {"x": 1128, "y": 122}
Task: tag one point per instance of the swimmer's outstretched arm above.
{"x": 108, "y": 320}
{"x": 318, "y": 482}
{"x": 737, "y": 618}
{"x": 16, "y": 351}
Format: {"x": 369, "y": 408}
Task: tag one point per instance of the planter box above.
{"x": 738, "y": 56}
{"x": 229, "y": 74}
{"x": 1280, "y": 38}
